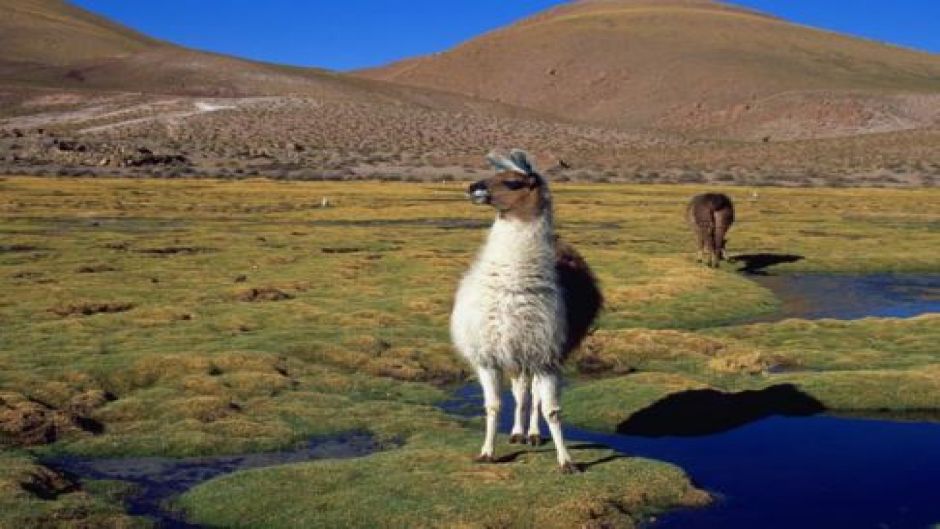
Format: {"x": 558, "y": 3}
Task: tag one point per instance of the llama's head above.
{"x": 517, "y": 191}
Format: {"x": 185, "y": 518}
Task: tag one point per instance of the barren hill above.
{"x": 51, "y": 44}
{"x": 688, "y": 65}
{"x": 81, "y": 94}
{"x": 596, "y": 90}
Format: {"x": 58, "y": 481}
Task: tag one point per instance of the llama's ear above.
{"x": 501, "y": 163}
{"x": 522, "y": 160}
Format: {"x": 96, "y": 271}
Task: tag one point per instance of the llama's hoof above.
{"x": 517, "y": 439}
{"x": 535, "y": 440}
{"x": 570, "y": 468}
{"x": 484, "y": 458}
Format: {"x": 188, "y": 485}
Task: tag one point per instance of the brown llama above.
{"x": 711, "y": 215}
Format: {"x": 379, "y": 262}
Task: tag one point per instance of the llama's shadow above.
{"x": 606, "y": 459}
{"x": 512, "y": 457}
{"x": 758, "y": 263}
{"x": 705, "y": 412}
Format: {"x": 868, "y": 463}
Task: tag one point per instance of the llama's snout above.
{"x": 479, "y": 193}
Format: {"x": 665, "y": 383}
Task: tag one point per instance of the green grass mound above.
{"x": 438, "y": 485}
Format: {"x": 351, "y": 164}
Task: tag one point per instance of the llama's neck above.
{"x": 517, "y": 245}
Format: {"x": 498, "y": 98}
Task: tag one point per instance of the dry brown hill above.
{"x": 51, "y": 44}
{"x": 688, "y": 65}
{"x": 82, "y": 95}
{"x": 53, "y": 32}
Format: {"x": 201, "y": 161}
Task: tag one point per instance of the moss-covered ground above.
{"x": 146, "y": 317}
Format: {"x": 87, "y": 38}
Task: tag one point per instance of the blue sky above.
{"x": 349, "y": 34}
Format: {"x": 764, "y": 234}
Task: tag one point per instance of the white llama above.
{"x": 527, "y": 301}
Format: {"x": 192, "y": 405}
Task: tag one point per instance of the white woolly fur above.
{"x": 509, "y": 311}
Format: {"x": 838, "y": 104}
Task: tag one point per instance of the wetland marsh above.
{"x": 146, "y": 318}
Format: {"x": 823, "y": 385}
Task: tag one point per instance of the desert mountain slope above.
{"x": 688, "y": 65}
{"x": 579, "y": 87}
{"x": 79, "y": 91}
{"x": 53, "y": 32}
{"x": 51, "y": 44}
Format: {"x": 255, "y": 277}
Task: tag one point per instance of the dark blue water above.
{"x": 817, "y": 296}
{"x": 158, "y": 480}
{"x": 787, "y": 472}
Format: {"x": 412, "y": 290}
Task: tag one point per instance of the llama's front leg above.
{"x": 520, "y": 393}
{"x": 548, "y": 391}
{"x": 489, "y": 379}
{"x": 535, "y": 435}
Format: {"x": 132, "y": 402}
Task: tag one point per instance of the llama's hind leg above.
{"x": 520, "y": 394}
{"x": 721, "y": 231}
{"x": 489, "y": 379}
{"x": 535, "y": 435}
{"x": 711, "y": 250}
{"x": 700, "y": 239}
{"x": 548, "y": 391}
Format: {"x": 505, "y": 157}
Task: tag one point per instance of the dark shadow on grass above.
{"x": 512, "y": 457}
{"x": 606, "y": 459}
{"x": 758, "y": 263}
{"x": 705, "y": 412}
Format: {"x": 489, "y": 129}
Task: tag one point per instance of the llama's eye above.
{"x": 514, "y": 184}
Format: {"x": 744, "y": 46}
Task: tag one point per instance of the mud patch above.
{"x": 95, "y": 269}
{"x": 47, "y": 484}
{"x": 341, "y": 250}
{"x": 175, "y": 250}
{"x": 28, "y": 422}
{"x": 262, "y": 294}
{"x": 18, "y": 248}
{"x": 90, "y": 309}
{"x": 28, "y": 275}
